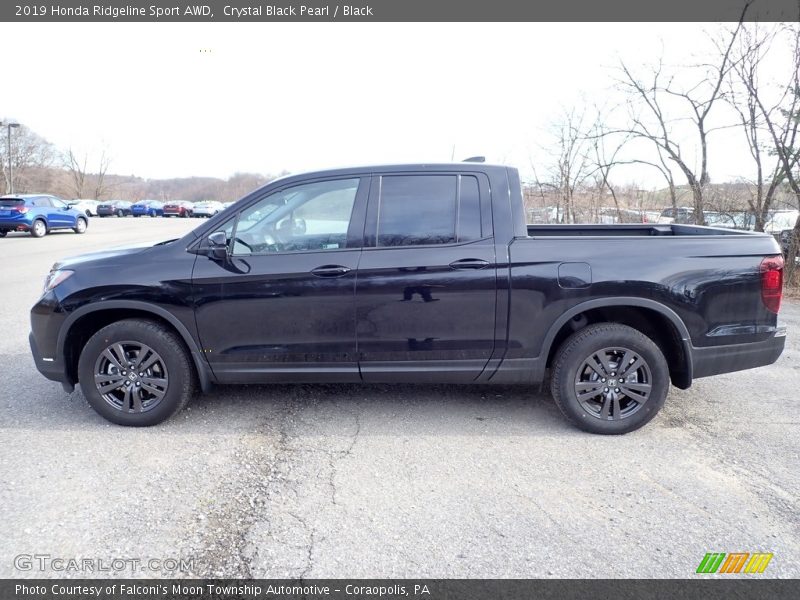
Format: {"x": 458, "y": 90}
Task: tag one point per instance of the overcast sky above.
{"x": 173, "y": 100}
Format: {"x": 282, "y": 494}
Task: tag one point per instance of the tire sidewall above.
{"x": 577, "y": 348}
{"x": 34, "y": 231}
{"x": 164, "y": 344}
{"x": 78, "y": 225}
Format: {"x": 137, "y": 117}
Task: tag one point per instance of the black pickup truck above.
{"x": 411, "y": 273}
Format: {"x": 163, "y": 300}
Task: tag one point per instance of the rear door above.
{"x": 426, "y": 288}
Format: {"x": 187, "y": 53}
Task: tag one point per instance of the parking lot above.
{"x": 323, "y": 481}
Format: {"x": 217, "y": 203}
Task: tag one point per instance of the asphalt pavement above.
{"x": 323, "y": 481}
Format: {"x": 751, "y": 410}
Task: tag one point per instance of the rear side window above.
{"x": 422, "y": 210}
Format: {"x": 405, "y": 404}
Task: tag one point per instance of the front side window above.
{"x": 308, "y": 217}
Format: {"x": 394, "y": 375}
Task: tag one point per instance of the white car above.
{"x": 780, "y": 220}
{"x": 88, "y": 207}
{"x": 208, "y": 208}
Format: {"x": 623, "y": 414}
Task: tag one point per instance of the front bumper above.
{"x": 714, "y": 360}
{"x": 51, "y": 367}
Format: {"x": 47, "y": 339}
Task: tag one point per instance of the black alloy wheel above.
{"x": 609, "y": 378}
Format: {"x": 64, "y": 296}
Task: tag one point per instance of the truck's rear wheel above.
{"x": 136, "y": 372}
{"x": 609, "y": 378}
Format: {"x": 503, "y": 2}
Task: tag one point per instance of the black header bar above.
{"x": 366, "y": 11}
{"x": 735, "y": 588}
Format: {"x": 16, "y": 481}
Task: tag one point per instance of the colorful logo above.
{"x": 737, "y": 562}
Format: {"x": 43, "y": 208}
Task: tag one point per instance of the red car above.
{"x": 178, "y": 208}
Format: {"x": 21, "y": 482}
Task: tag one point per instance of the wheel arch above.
{"x": 87, "y": 320}
{"x": 653, "y": 319}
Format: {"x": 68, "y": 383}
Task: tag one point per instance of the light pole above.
{"x": 9, "y": 125}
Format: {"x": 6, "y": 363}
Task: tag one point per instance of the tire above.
{"x": 80, "y": 225}
{"x": 172, "y": 365}
{"x": 3, "y": 233}
{"x": 120, "y": 213}
{"x": 88, "y": 214}
{"x": 614, "y": 412}
{"x": 39, "y": 228}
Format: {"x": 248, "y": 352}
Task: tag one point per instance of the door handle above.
{"x": 469, "y": 263}
{"x": 330, "y": 271}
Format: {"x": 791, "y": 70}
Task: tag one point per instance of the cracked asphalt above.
{"x": 323, "y": 481}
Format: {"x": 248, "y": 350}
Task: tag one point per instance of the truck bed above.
{"x": 637, "y": 230}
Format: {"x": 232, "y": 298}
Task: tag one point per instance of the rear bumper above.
{"x": 15, "y": 225}
{"x": 715, "y": 360}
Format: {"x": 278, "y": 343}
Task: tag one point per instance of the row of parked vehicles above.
{"x": 39, "y": 214}
{"x": 149, "y": 208}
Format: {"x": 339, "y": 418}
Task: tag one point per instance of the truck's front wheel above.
{"x": 136, "y": 372}
{"x": 609, "y": 378}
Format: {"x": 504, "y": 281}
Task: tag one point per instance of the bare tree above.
{"x": 76, "y": 167}
{"x": 101, "y": 185}
{"x": 652, "y": 112}
{"x": 30, "y": 154}
{"x": 572, "y": 164}
{"x": 83, "y": 181}
{"x": 757, "y": 115}
{"x": 780, "y": 120}
{"x": 606, "y": 148}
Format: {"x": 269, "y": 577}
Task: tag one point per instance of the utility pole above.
{"x": 9, "y": 125}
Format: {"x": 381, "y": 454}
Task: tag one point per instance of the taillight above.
{"x": 21, "y": 209}
{"x": 772, "y": 282}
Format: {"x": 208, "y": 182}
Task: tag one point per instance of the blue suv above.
{"x": 39, "y": 214}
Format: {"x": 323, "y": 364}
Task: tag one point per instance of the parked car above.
{"x": 39, "y": 214}
{"x": 88, "y": 207}
{"x": 178, "y": 208}
{"x": 780, "y": 220}
{"x": 737, "y": 219}
{"x": 785, "y": 239}
{"x": 682, "y": 214}
{"x": 208, "y": 208}
{"x": 411, "y": 273}
{"x": 611, "y": 215}
{"x": 116, "y": 208}
{"x": 149, "y": 208}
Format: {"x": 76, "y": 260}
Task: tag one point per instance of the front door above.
{"x": 426, "y": 290}
{"x": 281, "y": 305}
{"x": 57, "y": 215}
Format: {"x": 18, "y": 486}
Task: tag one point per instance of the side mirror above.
{"x": 218, "y": 245}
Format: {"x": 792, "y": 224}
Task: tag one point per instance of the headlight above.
{"x": 56, "y": 277}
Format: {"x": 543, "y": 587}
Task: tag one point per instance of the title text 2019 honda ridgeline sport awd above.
{"x": 416, "y": 273}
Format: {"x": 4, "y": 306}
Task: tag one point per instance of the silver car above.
{"x": 208, "y": 208}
